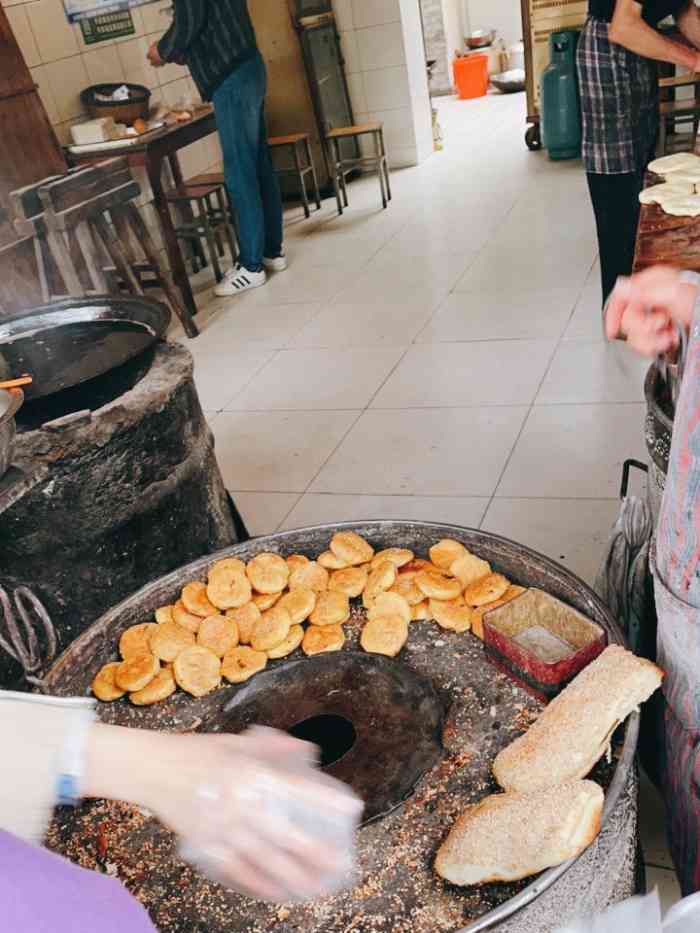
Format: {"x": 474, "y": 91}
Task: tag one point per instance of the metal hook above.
{"x": 24, "y": 647}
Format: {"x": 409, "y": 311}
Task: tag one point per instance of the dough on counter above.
{"x": 677, "y": 162}
{"x": 683, "y": 206}
{"x": 657, "y": 194}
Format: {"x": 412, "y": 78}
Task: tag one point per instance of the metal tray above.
{"x": 68, "y": 342}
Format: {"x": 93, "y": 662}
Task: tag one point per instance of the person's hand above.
{"x": 252, "y": 811}
{"x": 648, "y": 308}
{"x": 153, "y": 56}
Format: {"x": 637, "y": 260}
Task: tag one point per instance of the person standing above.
{"x": 618, "y": 78}
{"x": 216, "y": 40}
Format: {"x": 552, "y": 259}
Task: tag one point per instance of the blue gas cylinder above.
{"x": 560, "y": 107}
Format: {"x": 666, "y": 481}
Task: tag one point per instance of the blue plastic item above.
{"x": 560, "y": 108}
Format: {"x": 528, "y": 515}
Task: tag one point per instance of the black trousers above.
{"x": 616, "y": 206}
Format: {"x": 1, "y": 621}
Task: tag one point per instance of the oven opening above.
{"x": 334, "y": 735}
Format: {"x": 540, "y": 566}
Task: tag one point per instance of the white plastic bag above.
{"x": 643, "y": 915}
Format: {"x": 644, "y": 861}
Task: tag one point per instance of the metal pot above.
{"x": 10, "y": 403}
{"x": 480, "y": 38}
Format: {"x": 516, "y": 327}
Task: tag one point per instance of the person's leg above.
{"x": 238, "y": 104}
{"x": 615, "y": 201}
{"x": 271, "y": 197}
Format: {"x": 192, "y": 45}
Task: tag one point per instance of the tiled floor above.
{"x": 439, "y": 360}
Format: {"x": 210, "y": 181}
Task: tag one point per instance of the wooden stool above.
{"x": 218, "y": 178}
{"x": 209, "y": 222}
{"x": 342, "y": 166}
{"x": 672, "y": 112}
{"x": 90, "y": 238}
{"x": 300, "y": 147}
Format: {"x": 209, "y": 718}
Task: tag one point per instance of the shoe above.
{"x": 278, "y": 264}
{"x": 239, "y": 279}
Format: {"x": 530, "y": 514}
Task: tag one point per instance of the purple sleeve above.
{"x": 43, "y": 893}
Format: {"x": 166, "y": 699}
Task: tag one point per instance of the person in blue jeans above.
{"x": 216, "y": 40}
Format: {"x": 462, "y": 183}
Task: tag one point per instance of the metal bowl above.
{"x": 509, "y": 82}
{"x": 480, "y": 38}
{"x": 68, "y": 342}
{"x": 10, "y": 403}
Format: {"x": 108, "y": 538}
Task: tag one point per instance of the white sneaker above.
{"x": 239, "y": 279}
{"x": 278, "y": 264}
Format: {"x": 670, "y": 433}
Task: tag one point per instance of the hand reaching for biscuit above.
{"x": 647, "y": 309}
{"x": 252, "y": 811}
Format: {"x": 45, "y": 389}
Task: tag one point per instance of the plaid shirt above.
{"x": 619, "y": 104}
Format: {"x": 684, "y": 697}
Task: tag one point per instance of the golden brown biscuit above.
{"x": 406, "y": 586}
{"x": 453, "y": 614}
{"x": 297, "y": 560}
{"x": 487, "y": 590}
{"x": 242, "y": 663}
{"x": 385, "y": 635}
{"x": 331, "y": 561}
{"x": 469, "y": 568}
{"x": 417, "y": 564}
{"x": 290, "y": 644}
{"x": 169, "y": 639}
{"x": 229, "y": 589}
{"x": 268, "y": 573}
{"x": 478, "y": 614}
{"x": 164, "y": 614}
{"x": 271, "y": 630}
{"x": 228, "y": 564}
{"x": 195, "y": 600}
{"x": 185, "y": 618}
{"x": 398, "y": 556}
{"x": 136, "y": 640}
{"x": 332, "y": 608}
{"x": 390, "y": 604}
{"x": 350, "y": 581}
{"x": 312, "y": 575}
{"x": 265, "y": 601}
{"x": 319, "y": 639}
{"x": 299, "y": 603}
{"x": 104, "y": 685}
{"x": 446, "y": 552}
{"x": 350, "y": 547}
{"x": 219, "y": 634}
{"x": 435, "y": 586}
{"x": 197, "y": 670}
{"x": 245, "y": 618}
{"x": 160, "y": 688}
{"x": 137, "y": 672}
{"x": 381, "y": 579}
{"x": 421, "y": 612}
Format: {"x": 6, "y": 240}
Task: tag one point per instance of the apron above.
{"x": 677, "y": 588}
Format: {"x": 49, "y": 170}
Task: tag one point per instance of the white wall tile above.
{"x": 343, "y": 14}
{"x": 22, "y": 31}
{"x": 387, "y": 88}
{"x": 348, "y": 48}
{"x": 380, "y": 47}
{"x": 403, "y": 157}
{"x": 136, "y": 69}
{"x": 68, "y": 78}
{"x": 41, "y": 79}
{"x": 375, "y": 12}
{"x": 103, "y": 65}
{"x": 54, "y": 35}
{"x": 169, "y": 73}
{"x": 139, "y": 29}
{"x": 155, "y": 17}
{"x": 398, "y": 127}
{"x": 174, "y": 92}
{"x": 356, "y": 87}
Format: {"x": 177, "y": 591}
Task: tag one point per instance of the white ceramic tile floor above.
{"x": 476, "y": 294}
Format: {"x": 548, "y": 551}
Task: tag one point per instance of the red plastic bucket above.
{"x": 471, "y": 75}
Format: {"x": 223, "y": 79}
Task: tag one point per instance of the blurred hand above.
{"x": 153, "y": 55}
{"x": 252, "y": 811}
{"x": 647, "y": 309}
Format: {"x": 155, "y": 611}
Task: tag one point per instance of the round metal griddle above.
{"x": 69, "y": 342}
{"x": 398, "y": 891}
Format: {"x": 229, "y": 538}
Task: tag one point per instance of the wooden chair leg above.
{"x": 302, "y": 182}
{"x": 64, "y": 262}
{"x": 314, "y": 176}
{"x": 83, "y": 233}
{"x": 149, "y": 247}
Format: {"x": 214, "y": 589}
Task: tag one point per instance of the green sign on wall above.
{"x": 107, "y": 26}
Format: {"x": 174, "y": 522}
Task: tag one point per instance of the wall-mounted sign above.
{"x": 77, "y": 10}
{"x": 107, "y": 26}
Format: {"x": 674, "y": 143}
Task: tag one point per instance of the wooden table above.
{"x": 667, "y": 240}
{"x": 150, "y": 154}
